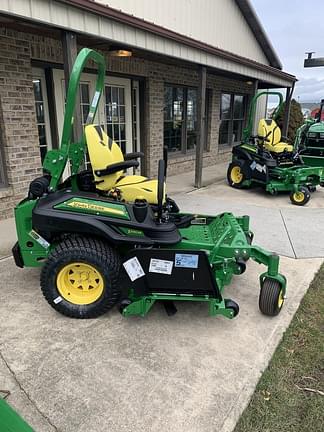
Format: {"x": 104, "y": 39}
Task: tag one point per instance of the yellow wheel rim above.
{"x": 299, "y": 197}
{"x": 281, "y": 299}
{"x": 80, "y": 283}
{"x": 236, "y": 174}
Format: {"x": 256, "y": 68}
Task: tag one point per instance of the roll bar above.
{"x": 55, "y": 160}
{"x": 247, "y": 132}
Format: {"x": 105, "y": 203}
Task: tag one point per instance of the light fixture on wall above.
{"x": 249, "y": 82}
{"x": 119, "y": 52}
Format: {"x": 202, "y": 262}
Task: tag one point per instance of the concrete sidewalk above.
{"x": 186, "y": 373}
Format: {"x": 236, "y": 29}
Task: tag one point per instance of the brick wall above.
{"x": 19, "y": 135}
{"x": 17, "y": 113}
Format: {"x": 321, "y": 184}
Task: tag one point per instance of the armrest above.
{"x": 134, "y": 155}
{"x": 119, "y": 166}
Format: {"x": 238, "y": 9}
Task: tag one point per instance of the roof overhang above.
{"x": 96, "y": 20}
{"x": 253, "y": 21}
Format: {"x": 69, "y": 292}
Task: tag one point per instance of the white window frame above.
{"x": 39, "y": 73}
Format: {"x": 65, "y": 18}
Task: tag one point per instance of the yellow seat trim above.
{"x": 103, "y": 151}
{"x": 270, "y": 129}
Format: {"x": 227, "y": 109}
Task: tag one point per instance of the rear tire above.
{"x": 300, "y": 197}
{"x": 235, "y": 175}
{"x": 271, "y": 297}
{"x": 79, "y": 278}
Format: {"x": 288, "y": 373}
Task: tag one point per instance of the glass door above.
{"x": 41, "y": 108}
{"x": 114, "y": 111}
{"x": 118, "y": 112}
{"x": 87, "y": 88}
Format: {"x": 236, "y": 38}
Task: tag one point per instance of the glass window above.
{"x": 115, "y": 114}
{"x": 84, "y": 101}
{"x": 225, "y": 106}
{"x": 232, "y": 116}
{"x": 173, "y": 117}
{"x": 191, "y": 119}
{"x": 180, "y": 118}
{"x": 40, "y": 116}
{"x": 135, "y": 120}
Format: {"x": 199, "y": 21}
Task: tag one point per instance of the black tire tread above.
{"x": 232, "y": 305}
{"x": 268, "y": 299}
{"x": 307, "y": 194}
{"x": 81, "y": 248}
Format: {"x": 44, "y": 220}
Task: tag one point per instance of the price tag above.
{"x": 133, "y": 269}
{"x": 160, "y": 266}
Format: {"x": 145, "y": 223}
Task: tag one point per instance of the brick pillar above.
{"x": 17, "y": 120}
{"x": 154, "y": 124}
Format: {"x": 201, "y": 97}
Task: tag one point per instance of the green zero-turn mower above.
{"x": 267, "y": 159}
{"x": 310, "y": 140}
{"x": 99, "y": 250}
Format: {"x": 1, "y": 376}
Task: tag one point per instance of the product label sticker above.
{"x": 95, "y": 99}
{"x": 160, "y": 266}
{"x": 133, "y": 269}
{"x": 39, "y": 239}
{"x": 186, "y": 261}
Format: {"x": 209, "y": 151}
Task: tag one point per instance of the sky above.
{"x": 295, "y": 27}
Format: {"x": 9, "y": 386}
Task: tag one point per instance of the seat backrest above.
{"x": 269, "y": 127}
{"x": 103, "y": 151}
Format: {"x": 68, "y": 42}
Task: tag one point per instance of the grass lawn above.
{"x": 290, "y": 394}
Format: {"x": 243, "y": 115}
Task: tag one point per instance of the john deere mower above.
{"x": 268, "y": 160}
{"x": 99, "y": 248}
{"x": 310, "y": 140}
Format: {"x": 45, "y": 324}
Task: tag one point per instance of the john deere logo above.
{"x": 132, "y": 232}
{"x": 95, "y": 207}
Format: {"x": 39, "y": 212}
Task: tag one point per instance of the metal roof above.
{"x": 253, "y": 21}
{"x": 102, "y": 22}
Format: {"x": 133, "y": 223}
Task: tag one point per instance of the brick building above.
{"x": 152, "y": 98}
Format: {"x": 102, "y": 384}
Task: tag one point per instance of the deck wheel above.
{"x": 271, "y": 297}
{"x": 230, "y": 304}
{"x": 123, "y": 305}
{"x": 301, "y": 196}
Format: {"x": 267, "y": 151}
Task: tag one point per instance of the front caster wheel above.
{"x": 271, "y": 297}
{"x": 300, "y": 197}
{"x": 241, "y": 266}
{"x": 230, "y": 304}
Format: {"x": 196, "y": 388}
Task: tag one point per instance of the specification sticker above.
{"x": 186, "y": 261}
{"x": 160, "y": 266}
{"x": 133, "y": 269}
{"x": 39, "y": 239}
